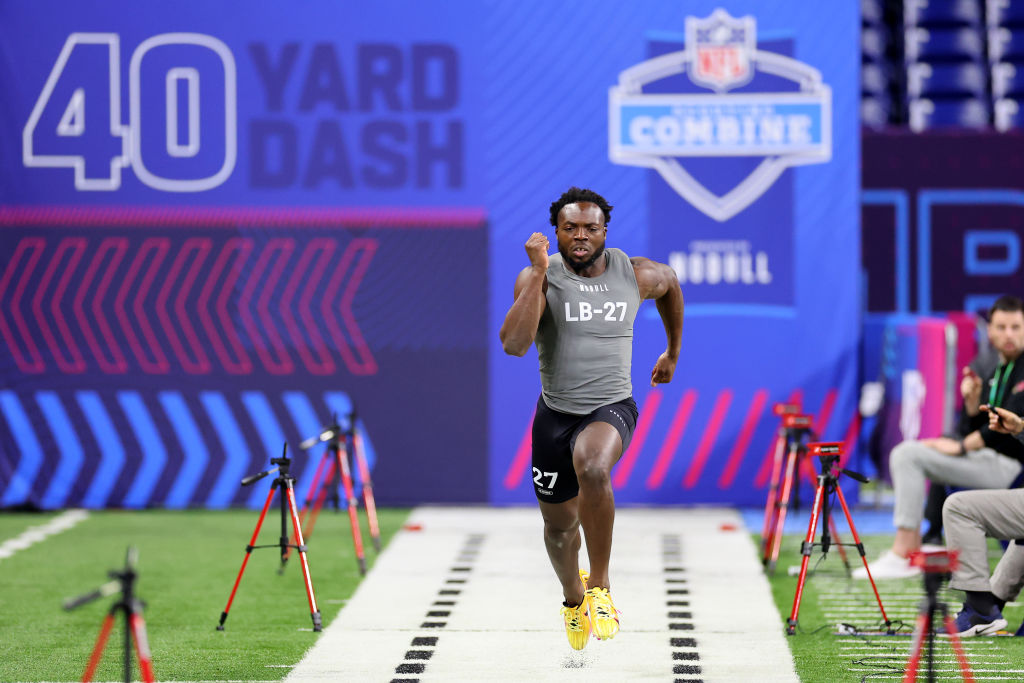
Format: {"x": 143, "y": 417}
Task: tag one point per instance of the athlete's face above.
{"x": 1006, "y": 332}
{"x": 581, "y": 233}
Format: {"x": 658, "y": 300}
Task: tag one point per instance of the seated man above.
{"x": 969, "y": 518}
{"x": 981, "y": 459}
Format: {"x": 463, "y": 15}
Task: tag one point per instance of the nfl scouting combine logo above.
{"x": 658, "y": 129}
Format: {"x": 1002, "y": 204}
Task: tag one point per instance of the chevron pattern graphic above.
{"x": 134, "y": 449}
{"x": 118, "y": 304}
{"x": 154, "y": 356}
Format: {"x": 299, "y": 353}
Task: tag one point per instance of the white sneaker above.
{"x": 888, "y": 566}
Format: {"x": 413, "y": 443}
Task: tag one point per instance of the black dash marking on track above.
{"x": 464, "y": 564}
{"x": 684, "y": 649}
{"x": 415, "y": 668}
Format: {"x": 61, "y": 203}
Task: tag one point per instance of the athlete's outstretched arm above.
{"x": 659, "y": 282}
{"x": 521, "y": 321}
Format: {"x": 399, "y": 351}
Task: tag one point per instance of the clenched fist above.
{"x": 537, "y": 250}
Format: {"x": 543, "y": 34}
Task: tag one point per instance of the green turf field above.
{"x": 187, "y": 564}
{"x": 188, "y": 561}
{"x": 829, "y": 597}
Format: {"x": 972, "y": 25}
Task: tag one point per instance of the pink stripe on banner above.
{"x": 850, "y": 440}
{"x": 708, "y": 440}
{"x": 401, "y": 217}
{"x": 826, "y": 414}
{"x": 675, "y": 433}
{"x": 762, "y": 474}
{"x": 519, "y": 463}
{"x": 647, "y": 412}
{"x": 743, "y": 440}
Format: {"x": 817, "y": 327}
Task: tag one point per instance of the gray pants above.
{"x": 912, "y": 464}
{"x": 971, "y": 516}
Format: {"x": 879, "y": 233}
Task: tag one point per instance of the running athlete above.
{"x": 578, "y": 306}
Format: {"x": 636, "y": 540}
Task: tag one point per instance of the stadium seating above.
{"x": 1008, "y": 115}
{"x": 942, "y": 63}
{"x": 1006, "y": 44}
{"x": 1007, "y": 80}
{"x": 873, "y": 43}
{"x": 942, "y": 13}
{"x": 874, "y": 80}
{"x": 872, "y": 12}
{"x": 944, "y": 45}
{"x": 946, "y": 80}
{"x": 925, "y": 114}
{"x": 874, "y": 112}
{"x": 1005, "y": 13}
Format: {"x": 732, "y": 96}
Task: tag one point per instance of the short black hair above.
{"x": 1008, "y": 304}
{"x": 574, "y": 195}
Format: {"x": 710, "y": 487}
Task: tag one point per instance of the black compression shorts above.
{"x": 554, "y": 437}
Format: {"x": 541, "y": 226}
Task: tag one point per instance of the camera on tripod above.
{"x": 828, "y": 453}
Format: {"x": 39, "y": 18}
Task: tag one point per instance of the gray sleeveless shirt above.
{"x": 585, "y": 336}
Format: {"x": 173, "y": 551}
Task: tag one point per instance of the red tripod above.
{"x": 792, "y": 439}
{"x": 342, "y": 448}
{"x": 828, "y": 483}
{"x": 782, "y": 445}
{"x": 286, "y": 483}
{"x": 936, "y": 567}
{"x": 134, "y": 625}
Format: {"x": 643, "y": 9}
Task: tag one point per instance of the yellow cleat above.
{"x": 604, "y": 617}
{"x": 577, "y": 621}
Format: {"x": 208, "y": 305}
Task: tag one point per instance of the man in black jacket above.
{"x": 980, "y": 459}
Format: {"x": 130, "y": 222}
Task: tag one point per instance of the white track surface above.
{"x": 504, "y": 623}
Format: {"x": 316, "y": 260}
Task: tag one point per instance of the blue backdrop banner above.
{"x": 221, "y": 229}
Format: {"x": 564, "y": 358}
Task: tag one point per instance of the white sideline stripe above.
{"x": 505, "y": 625}
{"x": 36, "y": 534}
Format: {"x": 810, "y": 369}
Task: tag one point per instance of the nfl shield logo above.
{"x": 661, "y": 130}
{"x": 721, "y": 47}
